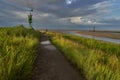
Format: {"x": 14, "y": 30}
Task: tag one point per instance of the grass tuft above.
{"x": 18, "y": 47}
{"x": 96, "y": 63}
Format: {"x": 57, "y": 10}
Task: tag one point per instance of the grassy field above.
{"x": 98, "y": 60}
{"x": 18, "y": 47}
{"x": 106, "y": 47}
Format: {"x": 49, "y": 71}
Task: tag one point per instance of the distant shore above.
{"x": 106, "y": 34}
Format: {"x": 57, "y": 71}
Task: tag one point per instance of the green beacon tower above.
{"x": 30, "y": 18}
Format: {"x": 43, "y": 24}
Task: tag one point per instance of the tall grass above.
{"x": 18, "y": 47}
{"x": 95, "y": 64}
{"x": 106, "y": 47}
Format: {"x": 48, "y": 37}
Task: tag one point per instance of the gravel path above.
{"x": 50, "y": 64}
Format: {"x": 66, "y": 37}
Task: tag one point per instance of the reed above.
{"x": 18, "y": 47}
{"x": 107, "y": 47}
{"x": 95, "y": 63}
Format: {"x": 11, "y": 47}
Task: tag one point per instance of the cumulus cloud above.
{"x": 84, "y": 21}
{"x": 102, "y": 7}
{"x": 77, "y": 20}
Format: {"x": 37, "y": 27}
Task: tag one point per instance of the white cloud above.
{"x": 89, "y": 22}
{"x": 102, "y": 7}
{"x": 85, "y": 21}
{"x": 81, "y": 20}
{"x": 76, "y": 20}
{"x": 68, "y": 2}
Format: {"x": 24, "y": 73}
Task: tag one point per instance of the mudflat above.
{"x": 113, "y": 35}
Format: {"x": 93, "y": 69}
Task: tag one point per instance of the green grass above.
{"x": 96, "y": 64}
{"x": 18, "y": 47}
{"x": 106, "y": 47}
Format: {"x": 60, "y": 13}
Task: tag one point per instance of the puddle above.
{"x": 50, "y": 47}
{"x": 45, "y": 42}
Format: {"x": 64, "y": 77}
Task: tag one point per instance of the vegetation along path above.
{"x": 50, "y": 64}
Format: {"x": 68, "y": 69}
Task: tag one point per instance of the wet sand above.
{"x": 113, "y": 35}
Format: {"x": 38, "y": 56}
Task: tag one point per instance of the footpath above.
{"x": 50, "y": 64}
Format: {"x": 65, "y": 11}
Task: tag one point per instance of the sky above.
{"x": 62, "y": 14}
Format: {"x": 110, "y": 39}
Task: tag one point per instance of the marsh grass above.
{"x": 18, "y": 47}
{"x": 95, "y": 63}
{"x": 107, "y": 47}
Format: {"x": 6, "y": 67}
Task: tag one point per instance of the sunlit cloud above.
{"x": 81, "y": 20}
{"x": 69, "y": 2}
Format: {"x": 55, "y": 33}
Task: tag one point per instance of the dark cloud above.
{"x": 79, "y": 8}
{"x": 111, "y": 21}
{"x": 59, "y": 7}
{"x": 52, "y": 13}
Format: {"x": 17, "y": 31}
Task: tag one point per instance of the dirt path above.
{"x": 52, "y": 65}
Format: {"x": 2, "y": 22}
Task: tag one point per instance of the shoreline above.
{"x": 105, "y": 34}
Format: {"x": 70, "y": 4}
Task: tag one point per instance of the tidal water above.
{"x": 93, "y": 37}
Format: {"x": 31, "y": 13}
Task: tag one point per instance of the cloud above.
{"x": 57, "y": 7}
{"x": 69, "y": 2}
{"x": 77, "y": 20}
{"x": 84, "y": 21}
{"x": 64, "y": 13}
{"x": 102, "y": 7}
{"x": 111, "y": 21}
